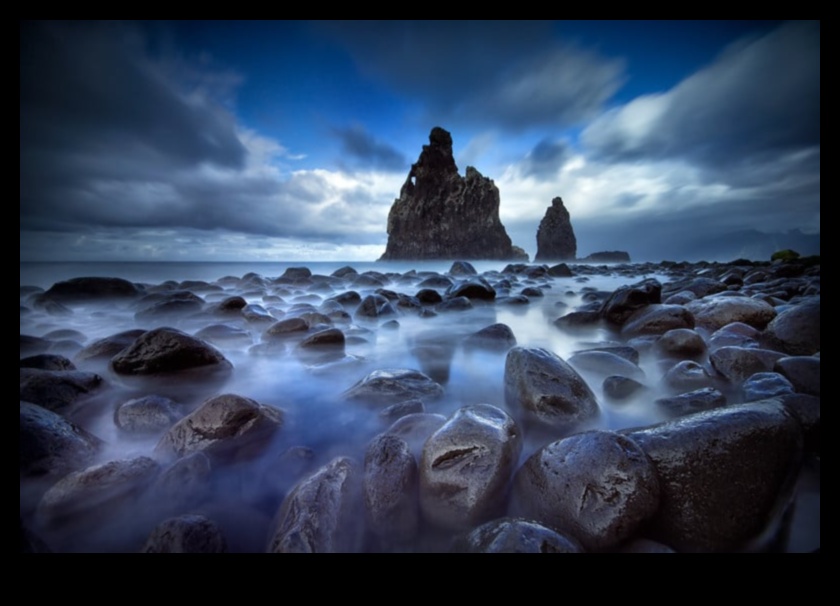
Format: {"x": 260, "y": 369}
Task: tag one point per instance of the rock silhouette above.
{"x": 442, "y": 215}
{"x": 555, "y": 236}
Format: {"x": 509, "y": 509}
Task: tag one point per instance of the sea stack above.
{"x": 555, "y": 236}
{"x": 442, "y": 215}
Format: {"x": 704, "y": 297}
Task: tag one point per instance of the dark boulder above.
{"x": 50, "y": 445}
{"x": 389, "y": 386}
{"x": 166, "y": 350}
{"x": 82, "y": 289}
{"x": 189, "y": 533}
{"x": 56, "y": 390}
{"x": 625, "y": 300}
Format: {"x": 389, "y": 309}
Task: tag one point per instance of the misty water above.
{"x": 308, "y": 389}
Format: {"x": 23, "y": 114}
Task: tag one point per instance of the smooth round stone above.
{"x": 692, "y": 401}
{"x": 713, "y": 313}
{"x": 149, "y": 414}
{"x": 547, "y": 388}
{"x": 391, "y": 385}
{"x": 736, "y": 334}
{"x": 657, "y": 320}
{"x": 687, "y": 375}
{"x": 50, "y": 445}
{"x": 496, "y": 337}
{"x": 802, "y": 371}
{"x": 604, "y": 363}
{"x": 597, "y": 486}
{"x": 796, "y": 331}
{"x": 681, "y": 343}
{"x": 166, "y": 350}
{"x": 763, "y": 385}
{"x": 466, "y": 466}
{"x": 739, "y": 363}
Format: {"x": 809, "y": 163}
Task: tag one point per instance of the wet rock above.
{"x": 189, "y": 533}
{"x": 466, "y": 467}
{"x": 149, "y": 414}
{"x": 401, "y": 409}
{"x": 764, "y": 385}
{"x": 321, "y": 514}
{"x": 555, "y": 237}
{"x": 98, "y": 491}
{"x": 699, "y": 286}
{"x": 331, "y": 338}
{"x": 171, "y": 305}
{"x": 428, "y": 296}
{"x": 598, "y": 487}
{"x": 344, "y": 272}
{"x": 56, "y": 390}
{"x": 296, "y": 273}
{"x": 546, "y": 388}
{"x": 462, "y": 268}
{"x": 375, "y": 306}
{"x": 415, "y": 429}
{"x": 224, "y": 334}
{"x": 578, "y": 320}
{"x": 511, "y": 535}
{"x": 110, "y": 346}
{"x": 50, "y": 445}
{"x": 690, "y": 402}
{"x": 496, "y": 337}
{"x": 347, "y": 299}
{"x": 390, "y": 487}
{"x": 681, "y": 343}
{"x": 621, "y": 388}
{"x": 441, "y": 282}
{"x": 657, "y": 320}
{"x": 796, "y": 331}
{"x": 687, "y": 375}
{"x": 680, "y": 298}
{"x": 286, "y": 328}
{"x": 736, "y": 334}
{"x": 82, "y": 289}
{"x": 167, "y": 350}
{"x": 561, "y": 270}
{"x": 722, "y": 474}
{"x": 474, "y": 288}
{"x": 392, "y": 385}
{"x": 604, "y": 363}
{"x": 224, "y": 427}
{"x": 626, "y": 300}
{"x": 441, "y": 215}
{"x": 737, "y": 364}
{"x": 231, "y": 305}
{"x": 257, "y": 314}
{"x": 713, "y": 313}
{"x": 802, "y": 371}
{"x": 47, "y": 362}
{"x": 184, "y": 484}
{"x": 454, "y": 304}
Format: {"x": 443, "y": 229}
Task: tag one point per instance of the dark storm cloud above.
{"x": 545, "y": 160}
{"x": 109, "y": 140}
{"x": 362, "y": 148}
{"x": 512, "y": 74}
{"x": 759, "y": 99}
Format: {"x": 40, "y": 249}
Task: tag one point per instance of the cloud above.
{"x": 760, "y": 98}
{"x": 513, "y": 75}
{"x": 112, "y": 147}
{"x": 361, "y": 147}
{"x": 546, "y": 159}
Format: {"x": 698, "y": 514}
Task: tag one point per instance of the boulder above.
{"x": 322, "y": 512}
{"x": 56, "y": 390}
{"x": 441, "y": 215}
{"x": 391, "y": 385}
{"x": 390, "y": 487}
{"x": 597, "y": 486}
{"x": 546, "y": 388}
{"x": 713, "y": 313}
{"x": 50, "y": 445}
{"x": 723, "y": 474}
{"x": 466, "y": 467}
{"x": 83, "y": 289}
{"x": 226, "y": 426}
{"x": 167, "y": 350}
{"x": 555, "y": 236}
{"x": 189, "y": 533}
{"x": 513, "y": 535}
{"x": 796, "y": 331}
{"x": 625, "y": 300}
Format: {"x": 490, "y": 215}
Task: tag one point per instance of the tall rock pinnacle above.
{"x": 555, "y": 237}
{"x": 441, "y": 215}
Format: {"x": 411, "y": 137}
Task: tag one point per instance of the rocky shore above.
{"x": 418, "y": 411}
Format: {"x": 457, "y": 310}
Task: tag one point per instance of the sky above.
{"x": 290, "y": 140}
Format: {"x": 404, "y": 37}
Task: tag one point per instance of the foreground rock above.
{"x": 390, "y": 488}
{"x": 441, "y": 215}
{"x": 546, "y": 388}
{"x": 467, "y": 465}
{"x": 166, "y": 350}
{"x": 50, "y": 445}
{"x": 393, "y": 385}
{"x": 56, "y": 390}
{"x": 598, "y": 487}
{"x": 796, "y": 331}
{"x": 723, "y": 474}
{"x": 555, "y": 237}
{"x": 321, "y": 514}
{"x": 225, "y": 427}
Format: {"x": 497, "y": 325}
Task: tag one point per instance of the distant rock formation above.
{"x": 441, "y": 215}
{"x": 555, "y": 236}
{"x": 608, "y": 256}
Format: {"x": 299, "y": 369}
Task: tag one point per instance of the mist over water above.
{"x": 307, "y": 388}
